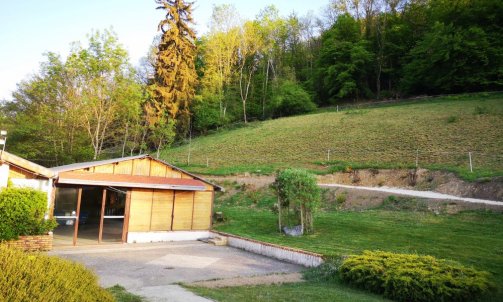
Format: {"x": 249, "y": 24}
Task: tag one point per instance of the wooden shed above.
{"x": 131, "y": 199}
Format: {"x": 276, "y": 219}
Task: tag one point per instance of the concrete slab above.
{"x": 152, "y": 270}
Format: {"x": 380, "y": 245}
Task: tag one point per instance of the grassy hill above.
{"x": 439, "y": 131}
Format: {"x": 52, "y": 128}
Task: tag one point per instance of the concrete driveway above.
{"x": 152, "y": 270}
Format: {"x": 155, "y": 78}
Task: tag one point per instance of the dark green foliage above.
{"x": 37, "y": 277}
{"x": 291, "y": 99}
{"x": 344, "y": 62}
{"x": 22, "y": 212}
{"x": 450, "y": 59}
{"x": 408, "y": 277}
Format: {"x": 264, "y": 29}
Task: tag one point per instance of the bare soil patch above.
{"x": 251, "y": 281}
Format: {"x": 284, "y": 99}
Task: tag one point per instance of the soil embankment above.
{"x": 421, "y": 180}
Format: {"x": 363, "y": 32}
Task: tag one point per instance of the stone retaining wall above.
{"x": 279, "y": 252}
{"x": 32, "y": 243}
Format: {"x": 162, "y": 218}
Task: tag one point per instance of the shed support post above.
{"x": 76, "y": 230}
{"x": 102, "y": 217}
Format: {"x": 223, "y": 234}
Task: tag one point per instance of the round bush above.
{"x": 292, "y": 99}
{"x": 37, "y": 277}
{"x": 404, "y": 277}
{"x": 22, "y": 212}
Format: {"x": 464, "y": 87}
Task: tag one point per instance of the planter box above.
{"x": 32, "y": 243}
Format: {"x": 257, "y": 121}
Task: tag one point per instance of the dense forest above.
{"x": 93, "y": 103}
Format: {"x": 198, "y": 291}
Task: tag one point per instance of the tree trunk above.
{"x": 279, "y": 214}
{"x": 125, "y": 139}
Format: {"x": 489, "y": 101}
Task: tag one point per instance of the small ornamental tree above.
{"x": 298, "y": 193}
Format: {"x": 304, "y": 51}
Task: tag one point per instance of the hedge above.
{"x": 22, "y": 212}
{"x": 37, "y": 277}
{"x": 405, "y": 277}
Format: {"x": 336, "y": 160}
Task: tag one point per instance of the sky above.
{"x": 30, "y": 28}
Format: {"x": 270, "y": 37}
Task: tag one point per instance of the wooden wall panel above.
{"x": 124, "y": 167}
{"x": 182, "y": 216}
{"x": 185, "y": 176}
{"x": 175, "y": 174}
{"x": 16, "y": 173}
{"x": 104, "y": 169}
{"x": 162, "y": 205}
{"x": 157, "y": 169}
{"x": 141, "y": 167}
{"x": 140, "y": 210}
{"x": 202, "y": 210}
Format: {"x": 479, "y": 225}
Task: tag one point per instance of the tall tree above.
{"x": 175, "y": 72}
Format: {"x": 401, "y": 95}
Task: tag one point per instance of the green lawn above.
{"x": 472, "y": 238}
{"x": 301, "y": 292}
{"x": 443, "y": 129}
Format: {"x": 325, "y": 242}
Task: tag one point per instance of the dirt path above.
{"x": 422, "y": 194}
{"x": 250, "y": 281}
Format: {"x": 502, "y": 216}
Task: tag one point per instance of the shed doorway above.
{"x": 90, "y": 215}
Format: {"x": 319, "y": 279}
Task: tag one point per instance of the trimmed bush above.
{"x": 404, "y": 277}
{"x": 37, "y": 277}
{"x": 22, "y": 212}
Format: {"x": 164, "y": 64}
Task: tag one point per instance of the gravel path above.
{"x": 422, "y": 194}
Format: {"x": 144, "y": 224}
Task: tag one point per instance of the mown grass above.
{"x": 472, "y": 238}
{"x": 305, "y": 291}
{"x": 122, "y": 295}
{"x": 444, "y": 130}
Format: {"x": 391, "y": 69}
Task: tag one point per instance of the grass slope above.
{"x": 472, "y": 238}
{"x": 443, "y": 129}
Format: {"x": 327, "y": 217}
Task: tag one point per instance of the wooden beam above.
{"x": 151, "y": 209}
{"x": 211, "y": 211}
{"x": 193, "y": 203}
{"x": 125, "y": 225}
{"x": 102, "y": 217}
{"x": 173, "y": 211}
{"x": 76, "y": 230}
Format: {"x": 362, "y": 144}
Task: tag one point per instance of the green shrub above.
{"x": 291, "y": 99}
{"x": 328, "y": 271}
{"x": 298, "y": 192}
{"x": 22, "y": 212}
{"x": 405, "y": 277}
{"x": 37, "y": 277}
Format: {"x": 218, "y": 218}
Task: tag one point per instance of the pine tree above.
{"x": 175, "y": 72}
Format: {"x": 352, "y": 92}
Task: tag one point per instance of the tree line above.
{"x": 94, "y": 103}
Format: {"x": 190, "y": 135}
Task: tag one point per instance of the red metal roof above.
{"x": 130, "y": 181}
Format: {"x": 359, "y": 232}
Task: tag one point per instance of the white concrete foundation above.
{"x": 145, "y": 237}
{"x": 286, "y": 254}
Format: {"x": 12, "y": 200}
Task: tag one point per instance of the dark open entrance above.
{"x": 89, "y": 215}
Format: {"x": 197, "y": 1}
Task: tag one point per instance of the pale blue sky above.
{"x": 28, "y": 28}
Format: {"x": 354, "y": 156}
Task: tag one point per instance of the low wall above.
{"x": 32, "y": 243}
{"x": 146, "y": 237}
{"x": 279, "y": 252}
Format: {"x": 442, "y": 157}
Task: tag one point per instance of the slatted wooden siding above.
{"x": 140, "y": 167}
{"x": 202, "y": 210}
{"x": 162, "y": 206}
{"x": 140, "y": 212}
{"x": 152, "y": 210}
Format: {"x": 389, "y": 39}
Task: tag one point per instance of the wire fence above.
{"x": 469, "y": 160}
